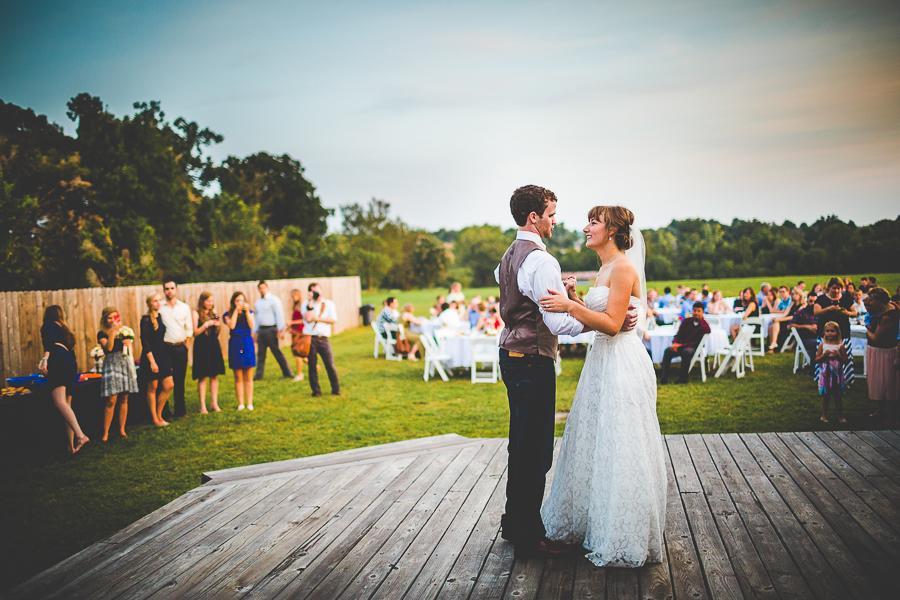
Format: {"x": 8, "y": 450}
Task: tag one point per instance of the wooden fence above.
{"x": 21, "y": 314}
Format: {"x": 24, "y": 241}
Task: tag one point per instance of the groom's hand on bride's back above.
{"x": 631, "y": 318}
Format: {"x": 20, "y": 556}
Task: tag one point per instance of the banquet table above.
{"x": 459, "y": 347}
{"x": 661, "y": 338}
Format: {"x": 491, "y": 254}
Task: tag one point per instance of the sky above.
{"x": 719, "y": 110}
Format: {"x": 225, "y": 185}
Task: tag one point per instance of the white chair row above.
{"x": 388, "y": 341}
{"x": 737, "y": 354}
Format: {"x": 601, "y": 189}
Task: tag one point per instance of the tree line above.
{"x": 129, "y": 200}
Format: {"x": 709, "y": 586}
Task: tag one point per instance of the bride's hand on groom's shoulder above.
{"x": 554, "y": 301}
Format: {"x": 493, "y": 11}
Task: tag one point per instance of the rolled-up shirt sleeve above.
{"x": 535, "y": 279}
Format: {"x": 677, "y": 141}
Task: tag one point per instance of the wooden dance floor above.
{"x": 787, "y": 515}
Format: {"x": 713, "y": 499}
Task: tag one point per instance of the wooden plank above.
{"x": 780, "y": 567}
{"x": 876, "y": 450}
{"x": 748, "y": 566}
{"x": 873, "y": 476}
{"x": 891, "y": 437}
{"x": 209, "y": 547}
{"x": 409, "y": 564}
{"x": 154, "y": 541}
{"x": 558, "y": 579}
{"x": 4, "y": 341}
{"x": 853, "y": 535}
{"x": 437, "y": 569}
{"x": 868, "y": 506}
{"x": 280, "y": 581}
{"x": 203, "y": 578}
{"x": 589, "y": 582}
{"x": 721, "y": 578}
{"x": 334, "y": 458}
{"x": 801, "y": 543}
{"x": 684, "y": 565}
{"x": 655, "y": 579}
{"x": 622, "y": 583}
{"x": 370, "y": 543}
{"x": 465, "y": 572}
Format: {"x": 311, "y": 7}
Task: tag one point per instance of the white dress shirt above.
{"x": 540, "y": 271}
{"x": 319, "y": 329}
{"x": 269, "y": 313}
{"x": 178, "y": 322}
{"x": 450, "y": 318}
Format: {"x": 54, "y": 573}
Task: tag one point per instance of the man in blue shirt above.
{"x": 268, "y": 326}
{"x": 761, "y": 296}
{"x": 667, "y": 299}
{"x": 687, "y": 306}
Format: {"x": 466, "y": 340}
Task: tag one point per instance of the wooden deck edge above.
{"x": 335, "y": 458}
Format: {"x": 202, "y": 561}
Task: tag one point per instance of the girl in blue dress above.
{"x": 61, "y": 369}
{"x": 241, "y": 350}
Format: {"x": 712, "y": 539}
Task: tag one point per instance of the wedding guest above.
{"x": 296, "y": 324}
{"x": 777, "y": 334}
{"x": 156, "y": 366}
{"x": 456, "y": 294}
{"x": 208, "y": 360}
{"x": 681, "y": 294}
{"x": 801, "y": 285}
{"x": 749, "y": 308}
{"x": 241, "y": 351}
{"x": 667, "y": 300}
{"x": 883, "y": 378}
{"x": 438, "y": 303}
{"x": 831, "y": 356}
{"x": 784, "y": 300}
{"x": 652, "y": 314}
{"x": 859, "y": 304}
{"x": 816, "y": 290}
{"x": 717, "y": 306}
{"x": 847, "y": 282}
{"x": 864, "y": 285}
{"x": 850, "y": 288}
{"x": 176, "y": 316}
{"x": 388, "y": 315}
{"x": 836, "y": 306}
{"x": 806, "y": 324}
{"x": 320, "y": 314}
{"x": 474, "y": 314}
{"x": 704, "y": 297}
{"x": 767, "y": 306}
{"x": 760, "y": 297}
{"x": 412, "y": 324}
{"x": 58, "y": 364}
{"x": 491, "y": 301}
{"x": 268, "y": 326}
{"x": 449, "y": 316}
{"x": 873, "y": 281}
{"x": 690, "y": 332}
{"x": 687, "y": 306}
{"x": 119, "y": 378}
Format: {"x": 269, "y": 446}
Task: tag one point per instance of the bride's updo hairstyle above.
{"x": 616, "y": 217}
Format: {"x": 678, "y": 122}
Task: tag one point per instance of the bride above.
{"x": 609, "y": 488}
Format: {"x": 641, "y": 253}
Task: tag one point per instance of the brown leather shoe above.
{"x": 544, "y": 549}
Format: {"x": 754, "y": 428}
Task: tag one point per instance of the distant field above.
{"x": 423, "y": 299}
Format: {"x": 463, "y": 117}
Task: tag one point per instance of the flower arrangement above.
{"x": 126, "y": 333}
{"x": 97, "y": 353}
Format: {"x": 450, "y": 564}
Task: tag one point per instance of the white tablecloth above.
{"x": 661, "y": 338}
{"x": 668, "y": 314}
{"x": 858, "y": 344}
{"x": 459, "y": 348}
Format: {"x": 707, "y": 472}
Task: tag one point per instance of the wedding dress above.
{"x": 609, "y": 486}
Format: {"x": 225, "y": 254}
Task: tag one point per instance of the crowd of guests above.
{"x": 449, "y": 311}
{"x": 822, "y": 318}
{"x": 166, "y": 331}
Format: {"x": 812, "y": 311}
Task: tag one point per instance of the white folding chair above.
{"x": 739, "y": 353}
{"x": 434, "y": 357}
{"x": 485, "y": 351}
{"x": 380, "y": 341}
{"x": 861, "y": 334}
{"x": 760, "y": 335}
{"x": 801, "y": 357}
{"x": 700, "y": 357}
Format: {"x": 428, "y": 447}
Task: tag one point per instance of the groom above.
{"x": 528, "y": 349}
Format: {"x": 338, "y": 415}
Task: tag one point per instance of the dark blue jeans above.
{"x": 531, "y": 389}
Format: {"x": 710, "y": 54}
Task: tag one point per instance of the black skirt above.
{"x": 62, "y": 369}
{"x": 208, "y": 359}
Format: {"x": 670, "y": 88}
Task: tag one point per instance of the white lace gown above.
{"x": 609, "y": 486}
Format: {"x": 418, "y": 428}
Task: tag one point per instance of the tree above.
{"x": 429, "y": 261}
{"x": 480, "y": 248}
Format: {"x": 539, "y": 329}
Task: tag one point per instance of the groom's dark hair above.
{"x": 529, "y": 199}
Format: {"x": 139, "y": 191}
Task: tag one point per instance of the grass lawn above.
{"x": 53, "y": 507}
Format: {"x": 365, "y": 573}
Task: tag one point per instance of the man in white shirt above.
{"x": 268, "y": 325}
{"x": 176, "y": 316}
{"x": 449, "y": 316}
{"x": 456, "y": 294}
{"x": 320, "y": 314}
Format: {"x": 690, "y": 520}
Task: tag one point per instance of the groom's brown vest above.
{"x": 525, "y": 331}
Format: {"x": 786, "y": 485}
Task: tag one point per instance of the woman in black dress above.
{"x": 749, "y": 307}
{"x": 61, "y": 369}
{"x": 208, "y": 360}
{"x": 836, "y": 305}
{"x": 156, "y": 367}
